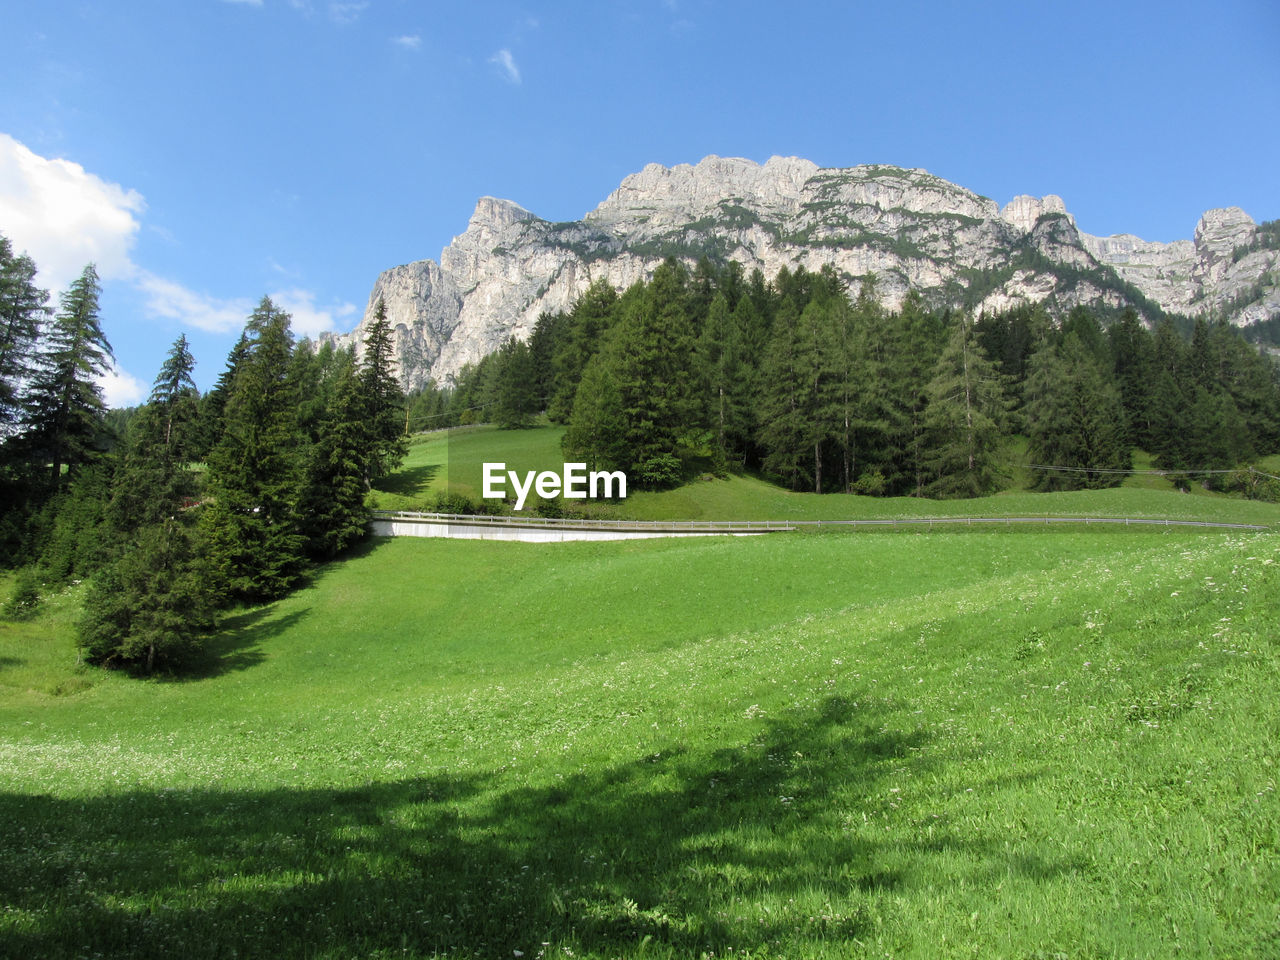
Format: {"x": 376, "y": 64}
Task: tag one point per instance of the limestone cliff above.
{"x": 911, "y": 229}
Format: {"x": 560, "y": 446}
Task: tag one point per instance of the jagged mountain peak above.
{"x": 910, "y": 228}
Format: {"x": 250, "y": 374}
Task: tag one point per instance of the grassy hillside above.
{"x": 996, "y": 744}
{"x": 452, "y": 460}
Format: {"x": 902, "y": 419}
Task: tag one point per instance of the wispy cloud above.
{"x": 409, "y": 42}
{"x": 170, "y": 300}
{"x": 507, "y": 63}
{"x": 345, "y": 13}
{"x": 64, "y": 217}
{"x": 308, "y": 319}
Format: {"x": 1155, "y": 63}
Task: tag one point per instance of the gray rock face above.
{"x": 911, "y": 229}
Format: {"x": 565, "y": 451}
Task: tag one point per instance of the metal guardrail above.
{"x": 772, "y": 526}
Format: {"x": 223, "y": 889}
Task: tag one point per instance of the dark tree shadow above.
{"x": 236, "y": 645}
{"x": 409, "y": 482}
{"x": 654, "y": 851}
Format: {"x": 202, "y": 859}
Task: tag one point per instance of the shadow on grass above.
{"x": 237, "y": 643}
{"x": 673, "y": 854}
{"x": 412, "y": 481}
{"x": 10, "y": 662}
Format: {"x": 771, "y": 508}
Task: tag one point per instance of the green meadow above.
{"x": 1023, "y": 743}
{"x": 452, "y": 460}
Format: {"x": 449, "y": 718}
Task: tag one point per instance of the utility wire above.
{"x": 1155, "y": 473}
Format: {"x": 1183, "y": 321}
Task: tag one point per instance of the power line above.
{"x": 1154, "y": 473}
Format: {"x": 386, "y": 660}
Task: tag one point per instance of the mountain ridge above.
{"x": 912, "y": 229}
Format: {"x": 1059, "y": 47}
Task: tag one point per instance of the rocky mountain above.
{"x": 913, "y": 230}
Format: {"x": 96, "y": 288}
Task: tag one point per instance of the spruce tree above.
{"x": 597, "y": 431}
{"x": 22, "y": 310}
{"x": 964, "y": 418}
{"x": 517, "y": 403}
{"x": 652, "y": 363}
{"x": 1132, "y": 370}
{"x": 783, "y": 431}
{"x": 252, "y": 523}
{"x": 332, "y": 502}
{"x": 724, "y": 380}
{"x": 149, "y": 607}
{"x": 382, "y": 398}
{"x": 594, "y": 313}
{"x": 66, "y": 412}
{"x": 1075, "y": 420}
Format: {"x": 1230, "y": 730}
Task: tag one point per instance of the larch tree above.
{"x": 964, "y": 418}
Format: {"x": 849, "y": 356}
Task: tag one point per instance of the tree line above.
{"x": 823, "y": 390}
{"x": 192, "y": 503}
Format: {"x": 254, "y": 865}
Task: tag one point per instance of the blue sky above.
{"x": 207, "y": 152}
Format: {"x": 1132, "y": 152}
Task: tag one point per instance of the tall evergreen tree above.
{"x": 152, "y": 607}
{"x": 724, "y": 380}
{"x": 517, "y": 403}
{"x": 332, "y": 506}
{"x": 652, "y": 362}
{"x": 1169, "y": 399}
{"x": 597, "y": 431}
{"x": 383, "y": 399}
{"x": 783, "y": 430}
{"x": 964, "y": 419}
{"x": 1132, "y": 370}
{"x": 66, "y": 410}
{"x": 902, "y": 362}
{"x": 255, "y": 542}
{"x": 593, "y": 313}
{"x": 22, "y": 309}
{"x": 1075, "y": 420}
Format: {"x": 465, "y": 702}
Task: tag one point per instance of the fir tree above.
{"x": 22, "y": 309}
{"x": 382, "y": 399}
{"x": 592, "y": 314}
{"x": 652, "y": 363}
{"x": 252, "y": 524}
{"x": 517, "y": 403}
{"x": 66, "y": 410}
{"x": 597, "y": 432}
{"x": 153, "y": 606}
{"x": 1075, "y": 421}
{"x": 332, "y": 504}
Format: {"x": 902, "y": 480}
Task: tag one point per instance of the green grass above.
{"x": 994, "y": 744}
{"x": 452, "y": 459}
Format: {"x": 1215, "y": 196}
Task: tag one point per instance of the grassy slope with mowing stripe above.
{"x": 1022, "y": 743}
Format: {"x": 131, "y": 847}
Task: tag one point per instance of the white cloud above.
{"x": 65, "y": 217}
{"x": 121, "y": 389}
{"x": 309, "y": 320}
{"x": 411, "y": 42}
{"x": 507, "y": 62}
{"x": 345, "y": 13}
{"x": 173, "y": 301}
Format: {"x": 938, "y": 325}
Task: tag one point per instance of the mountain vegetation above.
{"x": 199, "y": 502}
{"x": 191, "y": 504}
{"x": 826, "y": 391}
